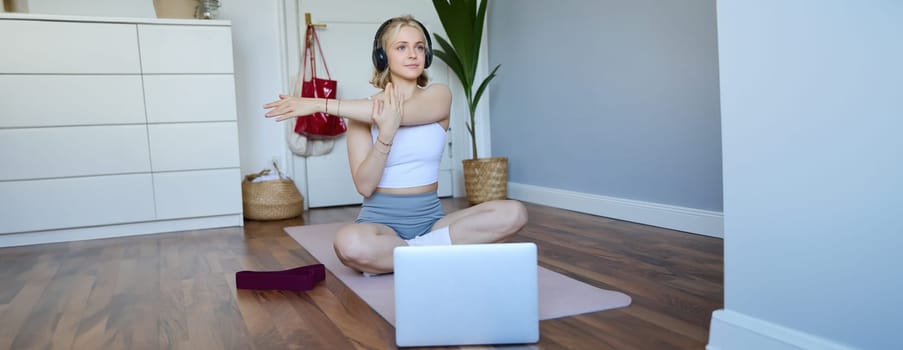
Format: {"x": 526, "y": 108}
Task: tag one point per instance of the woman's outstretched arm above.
{"x": 430, "y": 105}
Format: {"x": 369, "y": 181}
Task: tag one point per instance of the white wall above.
{"x": 258, "y": 44}
{"x": 813, "y": 177}
{"x": 104, "y": 8}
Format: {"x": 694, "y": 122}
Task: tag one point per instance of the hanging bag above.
{"x": 299, "y": 144}
{"x": 318, "y": 125}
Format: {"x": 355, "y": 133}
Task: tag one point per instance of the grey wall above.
{"x": 614, "y": 98}
{"x": 813, "y": 190}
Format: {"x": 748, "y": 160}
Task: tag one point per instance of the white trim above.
{"x": 290, "y": 50}
{"x": 731, "y": 330}
{"x": 132, "y": 229}
{"x": 703, "y": 222}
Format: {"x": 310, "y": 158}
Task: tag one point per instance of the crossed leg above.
{"x": 489, "y": 222}
{"x": 368, "y": 247}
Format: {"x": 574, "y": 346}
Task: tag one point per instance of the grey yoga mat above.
{"x": 559, "y": 295}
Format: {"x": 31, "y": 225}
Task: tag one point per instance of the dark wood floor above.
{"x": 177, "y": 290}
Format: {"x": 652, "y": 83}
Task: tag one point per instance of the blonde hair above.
{"x": 380, "y": 79}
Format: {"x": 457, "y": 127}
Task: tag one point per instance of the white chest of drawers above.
{"x": 113, "y": 127}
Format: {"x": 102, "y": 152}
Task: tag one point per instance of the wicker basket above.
{"x": 272, "y": 199}
{"x": 486, "y": 179}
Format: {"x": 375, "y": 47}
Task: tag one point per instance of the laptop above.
{"x": 466, "y": 294}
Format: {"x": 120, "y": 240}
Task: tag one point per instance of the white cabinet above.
{"x": 38, "y": 47}
{"x": 197, "y": 193}
{"x": 61, "y": 100}
{"x": 61, "y": 203}
{"x": 28, "y": 153}
{"x": 175, "y": 98}
{"x": 193, "y": 146}
{"x": 113, "y": 127}
{"x": 177, "y": 49}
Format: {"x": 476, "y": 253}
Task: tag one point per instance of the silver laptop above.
{"x": 466, "y": 295}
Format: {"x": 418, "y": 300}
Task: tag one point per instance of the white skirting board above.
{"x": 703, "y": 222}
{"x": 123, "y": 230}
{"x": 732, "y": 330}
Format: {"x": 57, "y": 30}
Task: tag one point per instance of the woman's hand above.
{"x": 290, "y": 106}
{"x": 387, "y": 112}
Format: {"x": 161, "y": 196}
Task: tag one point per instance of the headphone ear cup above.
{"x": 380, "y": 62}
{"x": 428, "y": 59}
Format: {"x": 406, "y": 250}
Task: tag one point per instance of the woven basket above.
{"x": 486, "y": 179}
{"x": 270, "y": 200}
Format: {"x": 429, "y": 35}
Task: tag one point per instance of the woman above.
{"x": 395, "y": 142}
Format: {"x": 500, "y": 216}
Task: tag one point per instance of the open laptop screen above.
{"x": 466, "y": 294}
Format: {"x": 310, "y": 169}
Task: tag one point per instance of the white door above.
{"x": 347, "y": 41}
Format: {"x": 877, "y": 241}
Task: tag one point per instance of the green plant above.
{"x": 463, "y": 23}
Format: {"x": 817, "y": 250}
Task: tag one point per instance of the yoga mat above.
{"x": 559, "y": 295}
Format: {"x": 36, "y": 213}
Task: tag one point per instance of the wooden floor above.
{"x": 177, "y": 290}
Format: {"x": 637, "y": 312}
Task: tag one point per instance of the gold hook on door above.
{"x": 307, "y": 21}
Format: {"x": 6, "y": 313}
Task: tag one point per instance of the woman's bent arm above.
{"x": 366, "y": 159}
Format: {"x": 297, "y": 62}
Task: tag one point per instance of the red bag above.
{"x": 318, "y": 125}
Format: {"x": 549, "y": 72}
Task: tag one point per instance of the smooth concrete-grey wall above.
{"x": 813, "y": 176}
{"x": 612, "y": 98}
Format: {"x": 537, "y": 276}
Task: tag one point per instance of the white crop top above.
{"x": 414, "y": 157}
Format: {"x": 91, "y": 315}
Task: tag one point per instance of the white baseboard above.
{"x": 732, "y": 330}
{"x": 703, "y": 222}
{"x": 123, "y": 230}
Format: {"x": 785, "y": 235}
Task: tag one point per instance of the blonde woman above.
{"x": 395, "y": 142}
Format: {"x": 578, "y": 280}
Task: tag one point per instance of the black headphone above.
{"x": 379, "y": 54}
